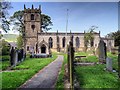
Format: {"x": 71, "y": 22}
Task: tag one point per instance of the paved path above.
{"x": 47, "y": 77}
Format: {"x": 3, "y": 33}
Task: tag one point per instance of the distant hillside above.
{"x": 10, "y": 37}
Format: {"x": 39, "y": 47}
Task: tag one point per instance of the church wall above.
{"x": 31, "y": 42}
{"x": 61, "y": 36}
{"x": 96, "y": 40}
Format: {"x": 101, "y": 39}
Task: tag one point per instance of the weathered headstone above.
{"x": 70, "y": 63}
{"x": 102, "y": 51}
{"x": 22, "y": 54}
{"x": 109, "y": 64}
{"x": 19, "y": 56}
{"x": 33, "y": 54}
{"x": 15, "y": 58}
{"x": 119, "y": 61}
{"x": 12, "y": 56}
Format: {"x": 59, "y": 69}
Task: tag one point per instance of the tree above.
{"x": 20, "y": 42}
{"x": 89, "y": 37}
{"x": 4, "y": 7}
{"x": 17, "y": 21}
{"x": 116, "y": 36}
{"x": 5, "y": 47}
{"x": 46, "y": 22}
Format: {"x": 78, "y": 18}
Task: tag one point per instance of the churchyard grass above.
{"x": 114, "y": 60}
{"x": 96, "y": 77}
{"x": 4, "y": 62}
{"x": 5, "y": 57}
{"x": 91, "y": 76}
{"x": 60, "y": 80}
{"x": 24, "y": 71}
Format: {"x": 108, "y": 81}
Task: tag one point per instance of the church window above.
{"x": 57, "y": 40}
{"x": 33, "y": 27}
{"x": 92, "y": 43}
{"x": 32, "y": 16}
{"x": 77, "y": 42}
{"x": 50, "y": 42}
{"x": 27, "y": 48}
{"x": 63, "y": 42}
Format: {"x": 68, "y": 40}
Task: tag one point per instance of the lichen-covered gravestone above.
{"x": 102, "y": 51}
{"x": 119, "y": 61}
{"x": 12, "y": 56}
{"x": 15, "y": 57}
{"x": 22, "y": 54}
{"x": 109, "y": 64}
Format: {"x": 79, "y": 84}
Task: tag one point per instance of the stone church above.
{"x": 41, "y": 42}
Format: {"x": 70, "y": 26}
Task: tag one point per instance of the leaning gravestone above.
{"x": 15, "y": 59}
{"x": 22, "y": 54}
{"x": 102, "y": 51}
{"x": 19, "y": 56}
{"x": 119, "y": 61}
{"x": 109, "y": 64}
{"x": 12, "y": 56}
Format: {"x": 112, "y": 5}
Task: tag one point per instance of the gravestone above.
{"x": 102, "y": 51}
{"x": 119, "y": 61}
{"x": 70, "y": 63}
{"x": 19, "y": 55}
{"x": 12, "y": 56}
{"x": 15, "y": 57}
{"x": 109, "y": 64}
{"x": 22, "y": 54}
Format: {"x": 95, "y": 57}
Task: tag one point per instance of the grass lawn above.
{"x": 60, "y": 81}
{"x": 91, "y": 76}
{"x": 4, "y": 63}
{"x": 96, "y": 77}
{"x": 24, "y": 71}
{"x": 114, "y": 60}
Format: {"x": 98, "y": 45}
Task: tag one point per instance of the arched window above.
{"x": 57, "y": 40}
{"x": 50, "y": 42}
{"x": 33, "y": 27}
{"x": 92, "y": 43}
{"x": 77, "y": 42}
{"x": 63, "y": 42}
{"x": 32, "y": 16}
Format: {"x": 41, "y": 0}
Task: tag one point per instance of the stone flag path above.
{"x": 47, "y": 77}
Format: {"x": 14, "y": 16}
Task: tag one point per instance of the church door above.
{"x": 43, "y": 49}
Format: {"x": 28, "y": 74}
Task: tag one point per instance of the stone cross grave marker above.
{"x": 102, "y": 51}
{"x": 109, "y": 64}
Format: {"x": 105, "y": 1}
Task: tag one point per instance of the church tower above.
{"x": 32, "y": 22}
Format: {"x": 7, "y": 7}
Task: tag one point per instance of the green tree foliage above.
{"x": 17, "y": 21}
{"x": 46, "y": 22}
{"x": 4, "y": 7}
{"x": 20, "y": 42}
{"x": 89, "y": 37}
{"x": 5, "y": 47}
{"x": 1, "y": 35}
{"x": 116, "y": 36}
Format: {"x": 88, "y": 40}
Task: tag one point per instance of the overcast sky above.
{"x": 81, "y": 15}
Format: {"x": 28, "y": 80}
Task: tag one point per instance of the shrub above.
{"x": 5, "y": 48}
